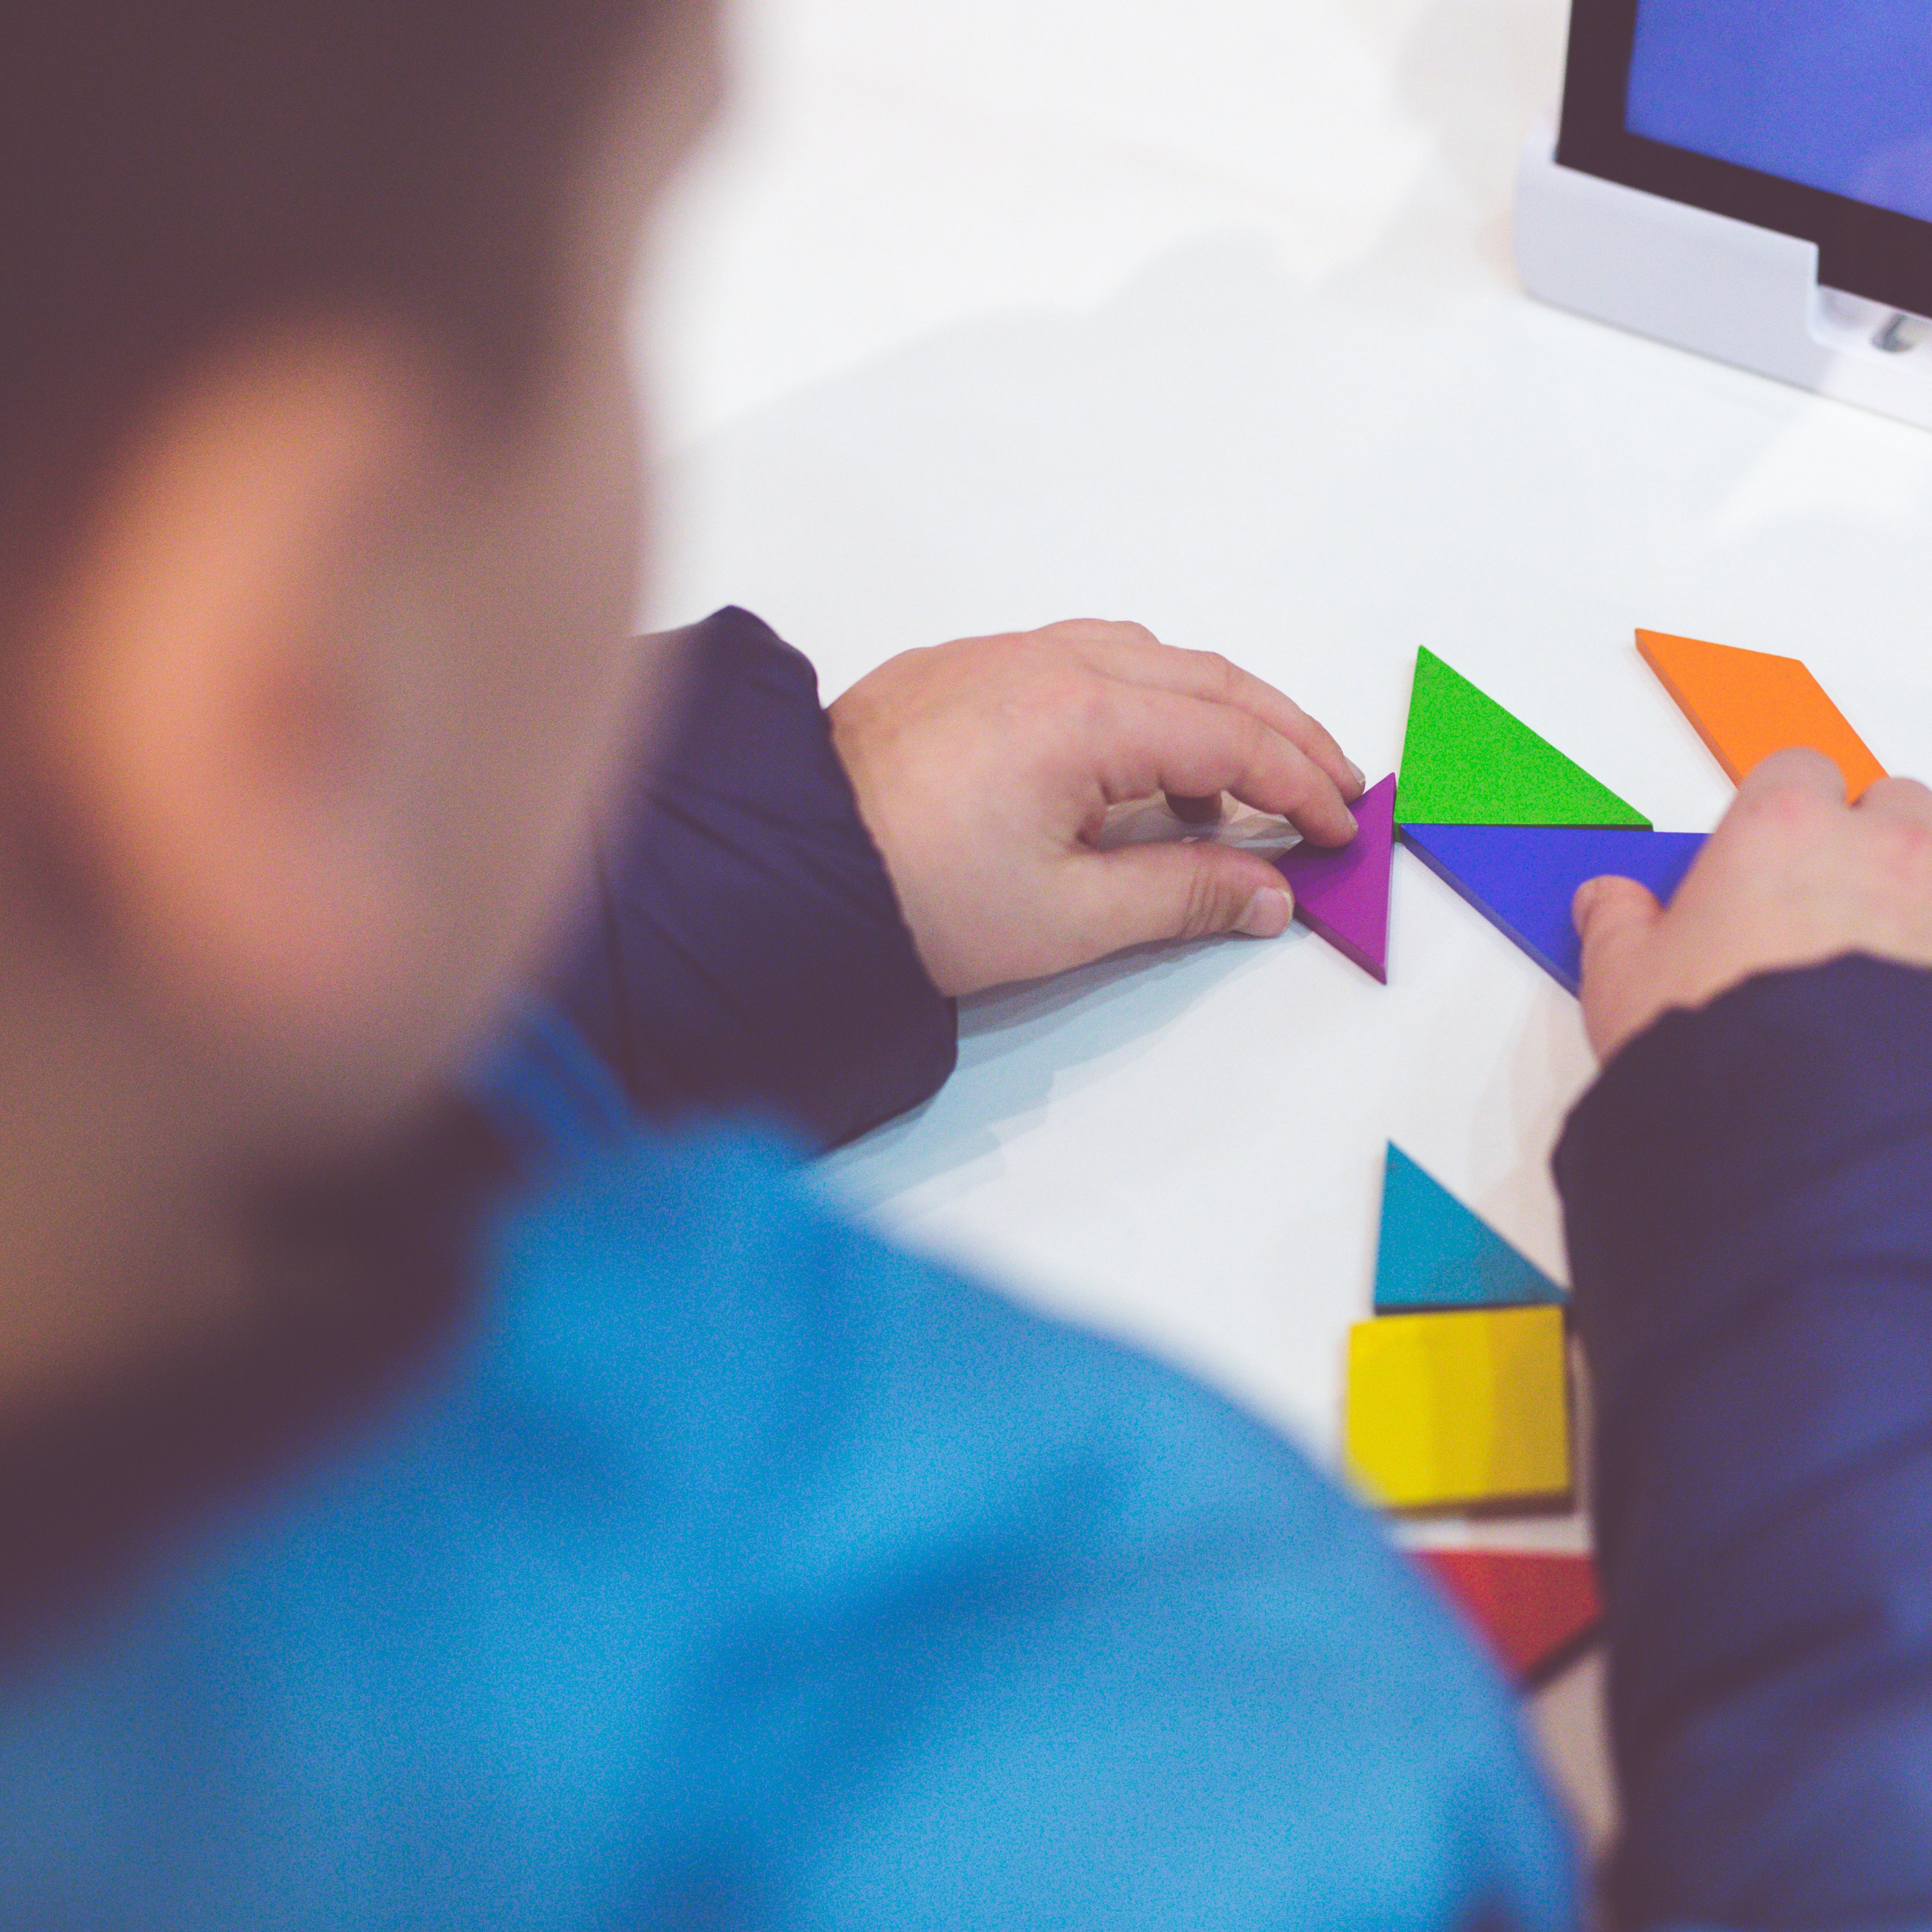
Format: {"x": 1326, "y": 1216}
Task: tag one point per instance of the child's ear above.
{"x": 228, "y": 721}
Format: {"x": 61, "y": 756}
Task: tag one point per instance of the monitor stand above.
{"x": 1704, "y": 281}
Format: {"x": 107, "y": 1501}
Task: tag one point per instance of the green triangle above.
{"x": 1466, "y": 761}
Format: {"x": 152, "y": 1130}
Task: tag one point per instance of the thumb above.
{"x": 1140, "y": 893}
{"x": 1615, "y": 918}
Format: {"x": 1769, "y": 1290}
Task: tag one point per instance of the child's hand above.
{"x": 1793, "y": 876}
{"x": 984, "y": 770}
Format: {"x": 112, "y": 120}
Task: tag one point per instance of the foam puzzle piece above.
{"x": 1530, "y": 1605}
{"x": 1467, "y": 761}
{"x": 1523, "y": 878}
{"x": 1748, "y": 704}
{"x": 1435, "y": 1253}
{"x": 1342, "y": 893}
{"x": 1449, "y": 1409}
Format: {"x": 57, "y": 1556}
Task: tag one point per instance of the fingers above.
{"x": 1898, "y": 798}
{"x": 1796, "y": 769}
{"x": 1196, "y": 811}
{"x": 1143, "y": 893}
{"x": 1612, "y": 916}
{"x": 1191, "y": 748}
{"x": 1133, "y": 654}
{"x": 1615, "y": 918}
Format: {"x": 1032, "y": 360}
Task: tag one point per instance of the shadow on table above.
{"x": 1018, "y": 1045}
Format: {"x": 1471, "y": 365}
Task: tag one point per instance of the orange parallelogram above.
{"x": 1747, "y": 704}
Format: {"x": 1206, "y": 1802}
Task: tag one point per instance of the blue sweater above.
{"x": 1749, "y": 1197}
{"x": 730, "y": 1570}
{"x": 655, "y": 1549}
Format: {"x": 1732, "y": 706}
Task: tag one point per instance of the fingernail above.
{"x": 1267, "y": 915}
{"x": 1359, "y": 776}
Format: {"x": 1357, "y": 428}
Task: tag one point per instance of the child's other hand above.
{"x": 984, "y": 770}
{"x": 1793, "y": 876}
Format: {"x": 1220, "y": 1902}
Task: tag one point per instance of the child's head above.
{"x": 318, "y": 553}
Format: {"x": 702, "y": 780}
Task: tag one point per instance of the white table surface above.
{"x": 1201, "y": 312}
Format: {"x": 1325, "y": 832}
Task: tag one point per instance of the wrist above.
{"x": 873, "y": 797}
{"x": 1710, "y": 1126}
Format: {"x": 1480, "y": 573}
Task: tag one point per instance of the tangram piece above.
{"x": 1748, "y": 704}
{"x": 1459, "y": 1409}
{"x": 1531, "y": 1605}
{"x": 1342, "y": 893}
{"x": 1523, "y": 878}
{"x": 1434, "y": 1253}
{"x": 1467, "y": 761}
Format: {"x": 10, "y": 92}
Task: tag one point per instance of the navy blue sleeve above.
{"x": 1748, "y": 1192}
{"x": 746, "y": 949}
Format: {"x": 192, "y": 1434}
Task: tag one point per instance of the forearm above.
{"x": 1749, "y": 1195}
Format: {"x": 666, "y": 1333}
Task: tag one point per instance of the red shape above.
{"x": 1527, "y": 1603}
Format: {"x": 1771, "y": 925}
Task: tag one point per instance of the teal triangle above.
{"x": 1435, "y": 1254}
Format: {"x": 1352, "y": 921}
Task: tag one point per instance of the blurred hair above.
{"x": 175, "y": 170}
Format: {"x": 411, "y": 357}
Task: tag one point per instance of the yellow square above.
{"x": 1465, "y": 1408}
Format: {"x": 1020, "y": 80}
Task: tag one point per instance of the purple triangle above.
{"x": 1341, "y": 893}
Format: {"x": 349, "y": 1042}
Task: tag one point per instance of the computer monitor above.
{"x": 1774, "y": 154}
{"x": 1813, "y": 117}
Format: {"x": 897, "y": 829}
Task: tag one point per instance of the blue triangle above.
{"x": 1521, "y": 878}
{"x": 1434, "y": 1253}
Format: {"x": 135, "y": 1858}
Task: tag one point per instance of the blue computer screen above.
{"x": 1835, "y": 93}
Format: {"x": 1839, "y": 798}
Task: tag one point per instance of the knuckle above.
{"x": 1783, "y": 807}
{"x": 1310, "y": 785}
{"x": 1048, "y": 667}
{"x": 1254, "y": 741}
{"x": 1035, "y": 653}
{"x": 1901, "y": 801}
{"x": 1256, "y": 760}
{"x": 1071, "y": 632}
{"x": 1067, "y": 632}
{"x": 1201, "y": 905}
{"x": 1219, "y": 673}
{"x": 1904, "y": 851}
